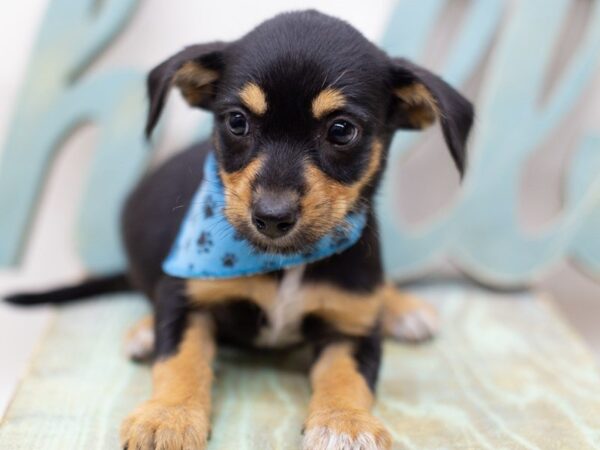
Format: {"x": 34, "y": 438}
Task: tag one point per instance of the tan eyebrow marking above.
{"x": 328, "y": 100}
{"x": 254, "y": 98}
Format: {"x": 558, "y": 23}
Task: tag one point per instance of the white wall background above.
{"x": 158, "y": 29}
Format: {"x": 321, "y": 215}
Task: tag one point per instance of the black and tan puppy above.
{"x": 305, "y": 108}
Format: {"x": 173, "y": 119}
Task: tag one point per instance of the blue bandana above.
{"x": 208, "y": 246}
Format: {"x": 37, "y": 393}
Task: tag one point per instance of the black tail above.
{"x": 88, "y": 288}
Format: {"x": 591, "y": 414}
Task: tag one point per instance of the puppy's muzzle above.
{"x": 275, "y": 214}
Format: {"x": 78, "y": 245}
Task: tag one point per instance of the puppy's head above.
{"x": 305, "y": 108}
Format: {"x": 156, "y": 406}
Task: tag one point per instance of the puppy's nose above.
{"x": 274, "y": 215}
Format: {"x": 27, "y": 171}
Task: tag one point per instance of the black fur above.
{"x": 170, "y": 315}
{"x": 368, "y": 356}
{"x": 153, "y": 212}
{"x": 89, "y": 288}
{"x": 292, "y": 57}
{"x": 318, "y": 332}
{"x": 367, "y": 348}
{"x": 357, "y": 269}
{"x": 159, "y": 80}
{"x": 238, "y": 322}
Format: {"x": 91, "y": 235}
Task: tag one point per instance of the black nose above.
{"x": 274, "y": 215}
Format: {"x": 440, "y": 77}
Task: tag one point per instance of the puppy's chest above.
{"x": 284, "y": 313}
{"x": 263, "y": 311}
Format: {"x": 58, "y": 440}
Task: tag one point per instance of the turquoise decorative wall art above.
{"x": 480, "y": 232}
{"x": 55, "y": 99}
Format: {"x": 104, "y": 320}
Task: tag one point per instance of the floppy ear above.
{"x": 421, "y": 98}
{"x": 195, "y": 71}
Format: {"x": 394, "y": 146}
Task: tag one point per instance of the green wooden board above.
{"x": 506, "y": 373}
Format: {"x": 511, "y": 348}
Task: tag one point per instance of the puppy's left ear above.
{"x": 195, "y": 70}
{"x": 422, "y": 97}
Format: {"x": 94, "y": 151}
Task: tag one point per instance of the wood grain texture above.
{"x": 506, "y": 373}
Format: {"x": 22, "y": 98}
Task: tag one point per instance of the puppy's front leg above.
{"x": 178, "y": 414}
{"x": 339, "y": 411}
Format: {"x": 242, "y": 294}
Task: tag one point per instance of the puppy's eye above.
{"x": 341, "y": 132}
{"x": 237, "y": 123}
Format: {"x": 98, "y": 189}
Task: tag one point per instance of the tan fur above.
{"x": 324, "y": 206}
{"x": 328, "y": 100}
{"x": 422, "y": 108}
{"x": 336, "y": 382}
{"x": 254, "y": 98}
{"x": 354, "y": 314}
{"x": 350, "y": 313}
{"x": 238, "y": 192}
{"x": 261, "y": 289}
{"x": 328, "y": 201}
{"x": 178, "y": 414}
{"x": 339, "y": 410}
{"x": 195, "y": 82}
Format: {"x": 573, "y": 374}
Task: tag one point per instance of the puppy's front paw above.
{"x": 156, "y": 425}
{"x": 139, "y": 342}
{"x": 408, "y": 318}
{"x": 345, "y": 430}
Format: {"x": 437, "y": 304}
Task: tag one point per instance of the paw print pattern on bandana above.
{"x": 204, "y": 242}
{"x": 270, "y": 266}
{"x": 209, "y": 207}
{"x": 309, "y": 255}
{"x": 339, "y": 237}
{"x": 229, "y": 259}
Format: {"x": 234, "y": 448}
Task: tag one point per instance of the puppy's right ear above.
{"x": 422, "y": 97}
{"x": 195, "y": 71}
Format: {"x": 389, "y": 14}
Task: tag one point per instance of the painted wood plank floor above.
{"x": 505, "y": 373}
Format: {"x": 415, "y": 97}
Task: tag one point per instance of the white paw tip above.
{"x": 325, "y": 439}
{"x": 417, "y": 325}
{"x": 140, "y": 344}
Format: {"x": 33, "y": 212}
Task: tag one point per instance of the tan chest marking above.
{"x": 261, "y": 289}
{"x": 287, "y": 302}
{"x": 349, "y": 313}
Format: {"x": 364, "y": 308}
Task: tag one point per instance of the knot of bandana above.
{"x": 207, "y": 245}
